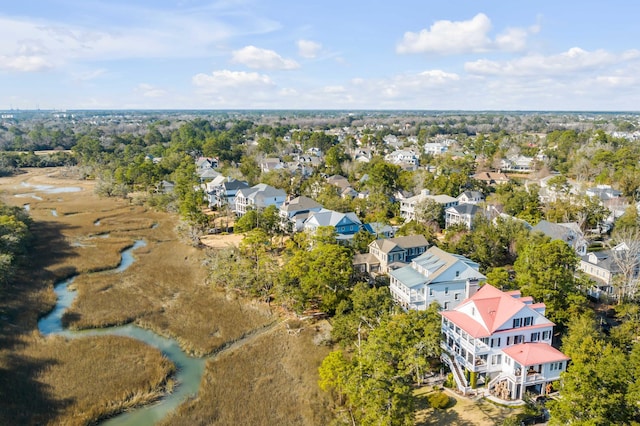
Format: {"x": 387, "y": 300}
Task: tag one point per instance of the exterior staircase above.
{"x": 458, "y": 373}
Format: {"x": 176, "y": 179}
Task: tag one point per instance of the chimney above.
{"x": 472, "y": 286}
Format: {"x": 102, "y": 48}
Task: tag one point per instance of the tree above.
{"x": 318, "y": 278}
{"x": 545, "y": 270}
{"x": 431, "y": 213}
{"x": 593, "y": 389}
{"x": 625, "y": 252}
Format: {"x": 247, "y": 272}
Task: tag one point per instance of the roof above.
{"x": 472, "y": 194}
{"x": 362, "y": 258}
{"x": 465, "y": 209}
{"x": 378, "y": 228}
{"x": 326, "y": 217}
{"x": 527, "y": 354}
{"x": 408, "y": 276}
{"x": 386, "y": 245}
{"x": 301, "y": 203}
{"x": 437, "y": 261}
{"x": 494, "y": 307}
{"x": 555, "y": 231}
{"x": 441, "y": 198}
{"x": 339, "y": 181}
{"x": 235, "y": 185}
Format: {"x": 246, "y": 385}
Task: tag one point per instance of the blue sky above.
{"x": 347, "y": 54}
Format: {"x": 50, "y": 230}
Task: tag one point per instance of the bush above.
{"x": 449, "y": 383}
{"x": 438, "y": 400}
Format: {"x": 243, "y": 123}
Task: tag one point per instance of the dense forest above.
{"x": 381, "y": 352}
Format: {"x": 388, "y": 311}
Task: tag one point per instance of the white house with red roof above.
{"x": 504, "y": 340}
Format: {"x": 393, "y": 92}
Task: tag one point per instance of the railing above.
{"x": 493, "y": 382}
{"x": 458, "y": 375}
{"x": 534, "y": 377}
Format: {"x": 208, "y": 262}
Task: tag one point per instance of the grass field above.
{"x": 51, "y": 380}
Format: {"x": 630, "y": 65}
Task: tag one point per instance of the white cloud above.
{"x": 219, "y": 81}
{"x": 123, "y": 31}
{"x": 448, "y": 37}
{"x": 149, "y": 91}
{"x": 512, "y": 39}
{"x": 257, "y": 58}
{"x": 471, "y": 36}
{"x": 308, "y": 48}
{"x": 24, "y": 63}
{"x": 573, "y": 60}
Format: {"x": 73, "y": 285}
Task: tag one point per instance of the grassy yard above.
{"x": 462, "y": 411}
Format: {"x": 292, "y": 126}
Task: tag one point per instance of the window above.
{"x": 508, "y": 340}
{"x": 518, "y": 339}
{"x": 496, "y": 359}
{"x": 535, "y": 336}
{"x": 457, "y": 274}
{"x": 446, "y": 306}
{"x": 446, "y": 290}
{"x": 457, "y": 296}
{"x": 495, "y": 342}
{"x": 485, "y": 340}
{"x": 517, "y": 322}
{"x": 473, "y": 311}
{"x": 546, "y": 335}
{"x": 528, "y": 321}
{"x": 430, "y": 291}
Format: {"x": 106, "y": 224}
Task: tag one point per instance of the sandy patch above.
{"x": 221, "y": 241}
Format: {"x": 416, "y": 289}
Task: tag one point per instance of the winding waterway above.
{"x": 189, "y": 370}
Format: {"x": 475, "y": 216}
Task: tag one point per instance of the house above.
{"x": 258, "y": 197}
{"x": 435, "y": 276}
{"x": 270, "y": 164}
{"x": 603, "y": 266}
{"x": 203, "y": 163}
{"x": 470, "y": 197}
{"x": 435, "y": 148}
{"x": 294, "y": 212}
{"x": 603, "y": 193}
{"x": 491, "y": 178}
{"x": 379, "y": 229}
{"x": 504, "y": 340}
{"x": 518, "y": 163}
{"x": 222, "y": 191}
{"x": 570, "y": 233}
{"x": 404, "y": 158}
{"x": 207, "y": 175}
{"x": 339, "y": 181}
{"x": 463, "y": 214}
{"x": 345, "y": 224}
{"x": 391, "y": 253}
{"x": 408, "y": 206}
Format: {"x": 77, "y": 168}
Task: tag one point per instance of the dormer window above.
{"x": 457, "y": 274}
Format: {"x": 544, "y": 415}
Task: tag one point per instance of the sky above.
{"x": 348, "y": 54}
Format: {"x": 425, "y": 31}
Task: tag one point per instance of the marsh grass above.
{"x": 271, "y": 380}
{"x": 98, "y": 376}
{"x": 57, "y": 381}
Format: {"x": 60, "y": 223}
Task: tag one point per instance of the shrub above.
{"x": 438, "y": 400}
{"x": 449, "y": 383}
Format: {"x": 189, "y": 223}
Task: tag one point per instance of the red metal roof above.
{"x": 527, "y": 354}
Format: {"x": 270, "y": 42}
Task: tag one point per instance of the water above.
{"x": 54, "y": 212}
{"x": 50, "y": 189}
{"x": 189, "y": 370}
